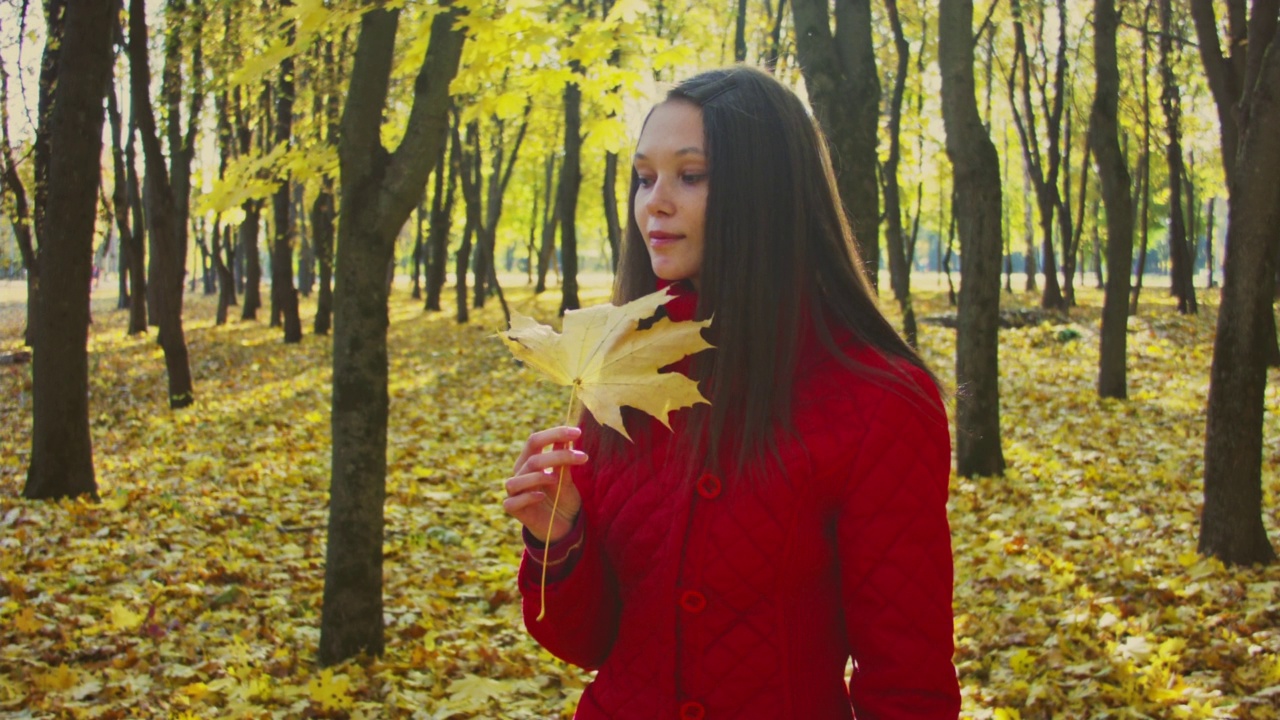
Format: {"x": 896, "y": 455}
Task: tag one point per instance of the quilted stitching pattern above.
{"x": 861, "y": 542}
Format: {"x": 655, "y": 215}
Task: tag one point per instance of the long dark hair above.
{"x": 779, "y": 257}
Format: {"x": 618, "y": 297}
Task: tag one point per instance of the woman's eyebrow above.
{"x": 691, "y": 150}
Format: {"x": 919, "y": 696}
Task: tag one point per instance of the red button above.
{"x": 693, "y": 601}
{"x": 709, "y": 486}
{"x": 692, "y": 711}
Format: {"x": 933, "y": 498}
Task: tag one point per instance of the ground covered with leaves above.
{"x": 193, "y": 589}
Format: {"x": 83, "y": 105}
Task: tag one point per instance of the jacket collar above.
{"x": 684, "y": 301}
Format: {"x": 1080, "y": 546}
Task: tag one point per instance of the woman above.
{"x": 731, "y": 567}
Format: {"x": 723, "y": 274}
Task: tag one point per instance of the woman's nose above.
{"x": 659, "y": 200}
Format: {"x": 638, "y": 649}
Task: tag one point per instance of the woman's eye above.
{"x": 693, "y": 178}
{"x": 644, "y": 181}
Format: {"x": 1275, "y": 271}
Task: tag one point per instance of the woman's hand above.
{"x": 532, "y": 488}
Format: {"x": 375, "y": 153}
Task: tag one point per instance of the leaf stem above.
{"x": 555, "y": 504}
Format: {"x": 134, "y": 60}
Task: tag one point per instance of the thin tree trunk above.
{"x": 551, "y": 218}
{"x": 1006, "y": 220}
{"x": 609, "y": 196}
{"x": 570, "y": 180}
{"x": 775, "y": 36}
{"x": 130, "y": 238}
{"x": 840, "y": 76}
{"x": 976, "y": 170}
{"x": 138, "y": 247}
{"x": 1029, "y": 265}
{"x": 61, "y": 447}
{"x": 1209, "y": 232}
{"x": 284, "y": 296}
{"x": 418, "y": 246}
{"x": 379, "y": 190}
{"x": 306, "y": 246}
{"x": 1113, "y": 174}
{"x": 899, "y": 266}
{"x": 463, "y": 260}
{"x": 324, "y": 208}
{"x": 159, "y": 199}
{"x": 1182, "y": 286}
{"x": 1144, "y": 165}
{"x": 442, "y": 222}
{"x": 946, "y": 259}
{"x": 19, "y": 212}
{"x": 739, "y": 34}
{"x": 1043, "y": 172}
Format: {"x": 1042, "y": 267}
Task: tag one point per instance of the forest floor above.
{"x": 193, "y": 589}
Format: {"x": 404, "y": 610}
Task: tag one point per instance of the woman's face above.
{"x": 671, "y": 198}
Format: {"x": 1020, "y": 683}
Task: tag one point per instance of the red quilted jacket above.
{"x": 699, "y": 598}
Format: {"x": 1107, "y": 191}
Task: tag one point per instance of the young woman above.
{"x": 731, "y": 567}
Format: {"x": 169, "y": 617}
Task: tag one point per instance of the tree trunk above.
{"x": 1029, "y": 265}
{"x": 951, "y": 246}
{"x": 55, "y": 12}
{"x": 895, "y": 239}
{"x": 138, "y": 247}
{"x": 1113, "y": 173}
{"x": 844, "y": 88}
{"x": 323, "y": 228}
{"x": 613, "y": 224}
{"x": 1231, "y": 526}
{"x": 1043, "y": 171}
{"x": 441, "y": 223}
{"x": 570, "y": 181}
{"x": 770, "y": 59}
{"x": 1144, "y": 166}
{"x": 182, "y": 145}
{"x": 499, "y": 179}
{"x": 161, "y": 221}
{"x": 550, "y": 219}
{"x": 249, "y": 228}
{"x": 306, "y": 247}
{"x": 61, "y": 447}
{"x": 379, "y": 190}
{"x": 1209, "y": 232}
{"x": 419, "y": 246}
{"x": 1182, "y": 285}
{"x": 18, "y": 211}
{"x": 977, "y": 186}
{"x": 226, "y": 282}
{"x": 323, "y": 210}
{"x": 130, "y": 238}
{"x": 463, "y": 261}
{"x": 471, "y": 179}
{"x": 1096, "y": 241}
{"x": 739, "y": 33}
{"x": 284, "y": 295}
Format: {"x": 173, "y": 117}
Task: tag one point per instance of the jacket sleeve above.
{"x": 582, "y": 604}
{"x": 895, "y": 561}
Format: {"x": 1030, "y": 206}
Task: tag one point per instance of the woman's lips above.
{"x": 658, "y": 238}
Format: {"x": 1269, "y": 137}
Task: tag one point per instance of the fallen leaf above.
{"x": 330, "y": 691}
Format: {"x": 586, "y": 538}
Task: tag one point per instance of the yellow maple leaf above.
{"x": 27, "y": 621}
{"x": 122, "y": 618}
{"x": 59, "y": 678}
{"x": 331, "y": 692}
{"x": 609, "y": 362}
{"x": 473, "y": 691}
